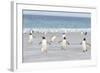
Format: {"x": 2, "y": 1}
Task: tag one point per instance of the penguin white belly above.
{"x": 44, "y": 46}
{"x": 84, "y": 45}
{"x": 64, "y": 45}
{"x": 30, "y": 38}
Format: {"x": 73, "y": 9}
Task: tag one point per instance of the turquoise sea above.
{"x": 47, "y": 21}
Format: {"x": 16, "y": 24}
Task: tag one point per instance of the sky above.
{"x": 55, "y": 13}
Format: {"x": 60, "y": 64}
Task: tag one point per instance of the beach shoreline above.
{"x": 27, "y": 30}
{"x": 32, "y": 52}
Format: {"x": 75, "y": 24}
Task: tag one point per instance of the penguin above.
{"x": 84, "y": 45}
{"x": 64, "y": 43}
{"x": 30, "y": 38}
{"x": 43, "y": 45}
{"x": 84, "y": 33}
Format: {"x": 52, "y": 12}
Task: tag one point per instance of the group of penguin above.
{"x": 64, "y": 43}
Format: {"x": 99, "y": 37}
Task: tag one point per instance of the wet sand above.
{"x": 32, "y": 52}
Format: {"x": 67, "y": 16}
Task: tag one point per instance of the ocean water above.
{"x": 47, "y": 21}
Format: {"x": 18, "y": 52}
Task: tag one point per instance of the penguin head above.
{"x": 84, "y": 39}
{"x": 43, "y": 37}
{"x": 64, "y": 37}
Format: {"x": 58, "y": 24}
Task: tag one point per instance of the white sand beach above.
{"x": 32, "y": 52}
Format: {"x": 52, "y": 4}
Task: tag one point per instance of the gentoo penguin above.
{"x": 84, "y": 33}
{"x": 30, "y": 38}
{"x": 64, "y": 43}
{"x": 44, "y": 45}
{"x": 84, "y": 45}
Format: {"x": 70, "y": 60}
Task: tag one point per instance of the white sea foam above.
{"x": 27, "y": 30}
